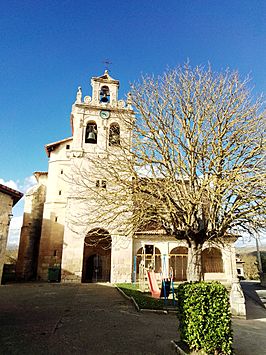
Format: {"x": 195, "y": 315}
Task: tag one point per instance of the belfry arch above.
{"x": 91, "y": 132}
{"x": 97, "y": 256}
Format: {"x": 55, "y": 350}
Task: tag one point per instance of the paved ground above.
{"x": 250, "y": 334}
{"x": 255, "y": 291}
{"x": 96, "y": 319}
{"x": 79, "y": 319}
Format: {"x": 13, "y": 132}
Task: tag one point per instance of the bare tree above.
{"x": 194, "y": 166}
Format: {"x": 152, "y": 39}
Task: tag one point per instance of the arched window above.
{"x": 151, "y": 256}
{"x": 178, "y": 263}
{"x": 104, "y": 94}
{"x": 91, "y": 133}
{"x": 114, "y": 134}
{"x": 212, "y": 260}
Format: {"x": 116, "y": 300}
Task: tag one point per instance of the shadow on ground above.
{"x": 78, "y": 319}
{"x": 250, "y": 289}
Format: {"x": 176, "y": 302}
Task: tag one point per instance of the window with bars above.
{"x": 114, "y": 135}
{"x": 101, "y": 183}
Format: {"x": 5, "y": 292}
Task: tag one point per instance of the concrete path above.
{"x": 250, "y": 333}
{"x": 96, "y": 319}
{"x": 255, "y": 291}
{"x": 78, "y": 319}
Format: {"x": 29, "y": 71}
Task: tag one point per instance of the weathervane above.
{"x": 107, "y": 64}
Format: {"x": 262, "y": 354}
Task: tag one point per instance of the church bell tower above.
{"x": 101, "y": 126}
{"x": 96, "y": 120}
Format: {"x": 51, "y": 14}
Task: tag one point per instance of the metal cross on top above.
{"x": 107, "y": 64}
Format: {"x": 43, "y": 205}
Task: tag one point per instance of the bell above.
{"x": 116, "y": 139}
{"x": 104, "y": 97}
{"x": 91, "y": 136}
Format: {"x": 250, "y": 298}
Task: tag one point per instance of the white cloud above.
{"x": 27, "y": 183}
{"x": 16, "y": 223}
{"x": 14, "y": 231}
{"x": 10, "y": 183}
{"x": 248, "y": 240}
{"x": 19, "y": 185}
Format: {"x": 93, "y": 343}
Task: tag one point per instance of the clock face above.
{"x": 104, "y": 114}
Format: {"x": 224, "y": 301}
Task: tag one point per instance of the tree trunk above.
{"x": 194, "y": 265}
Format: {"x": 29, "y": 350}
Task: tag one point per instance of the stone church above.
{"x": 47, "y": 240}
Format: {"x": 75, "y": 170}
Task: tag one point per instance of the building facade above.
{"x": 50, "y": 236}
{"x": 8, "y": 198}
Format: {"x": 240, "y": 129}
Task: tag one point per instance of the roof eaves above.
{"x": 16, "y": 195}
{"x": 51, "y": 146}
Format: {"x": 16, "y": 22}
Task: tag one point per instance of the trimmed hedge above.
{"x": 204, "y": 317}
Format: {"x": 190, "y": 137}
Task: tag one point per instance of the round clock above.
{"x": 104, "y": 114}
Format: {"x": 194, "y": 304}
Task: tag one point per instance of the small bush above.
{"x": 204, "y": 317}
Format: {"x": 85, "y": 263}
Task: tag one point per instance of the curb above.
{"x": 135, "y": 304}
{"x": 177, "y": 348}
{"x": 122, "y": 293}
{"x": 129, "y": 298}
{"x": 148, "y": 310}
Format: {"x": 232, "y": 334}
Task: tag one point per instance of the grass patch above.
{"x": 144, "y": 300}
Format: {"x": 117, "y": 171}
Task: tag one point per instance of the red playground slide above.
{"x": 153, "y": 285}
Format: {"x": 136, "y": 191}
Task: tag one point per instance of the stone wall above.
{"x": 6, "y": 204}
{"x": 26, "y": 268}
{"x": 50, "y": 251}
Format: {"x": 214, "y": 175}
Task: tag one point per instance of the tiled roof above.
{"x": 16, "y": 195}
{"x": 51, "y": 146}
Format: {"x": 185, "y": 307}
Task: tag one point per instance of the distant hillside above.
{"x": 249, "y": 256}
{"x": 250, "y": 249}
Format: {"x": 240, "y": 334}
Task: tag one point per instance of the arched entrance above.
{"x": 178, "y": 262}
{"x": 212, "y": 260}
{"x": 97, "y": 256}
{"x": 151, "y": 257}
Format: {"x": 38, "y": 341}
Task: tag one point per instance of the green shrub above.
{"x": 204, "y": 317}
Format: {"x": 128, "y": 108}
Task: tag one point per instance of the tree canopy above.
{"x": 195, "y": 165}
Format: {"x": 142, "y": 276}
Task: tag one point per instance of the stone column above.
{"x": 237, "y": 300}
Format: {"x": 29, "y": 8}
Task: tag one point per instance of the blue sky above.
{"x": 48, "y": 48}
